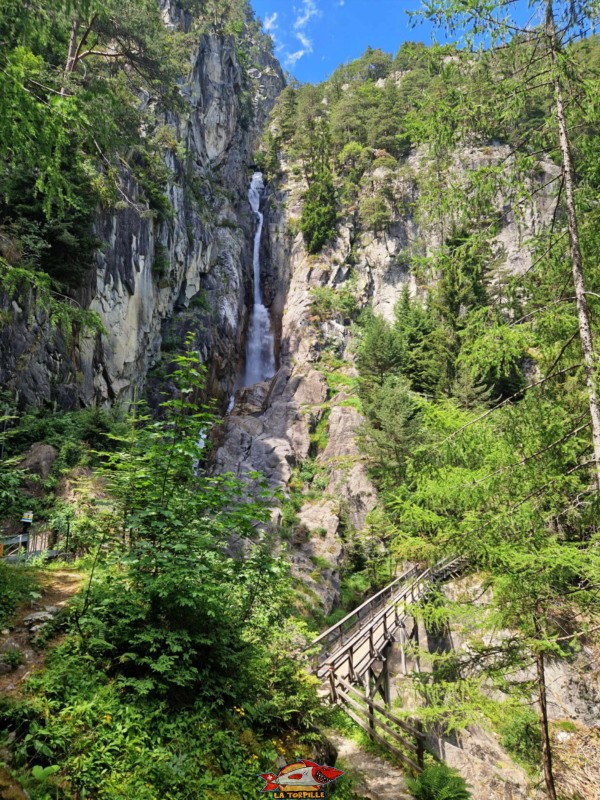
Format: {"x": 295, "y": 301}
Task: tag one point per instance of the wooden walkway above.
{"x": 352, "y": 659}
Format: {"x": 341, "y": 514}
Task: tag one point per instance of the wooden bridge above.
{"x": 352, "y": 658}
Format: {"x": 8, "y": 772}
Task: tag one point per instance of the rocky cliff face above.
{"x": 196, "y": 263}
{"x": 303, "y": 421}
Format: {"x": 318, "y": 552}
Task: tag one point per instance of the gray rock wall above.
{"x": 270, "y": 428}
{"x": 147, "y": 270}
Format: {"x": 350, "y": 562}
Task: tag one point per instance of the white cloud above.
{"x": 303, "y": 15}
{"x": 308, "y": 10}
{"x": 292, "y": 58}
{"x": 304, "y": 41}
{"x": 270, "y": 23}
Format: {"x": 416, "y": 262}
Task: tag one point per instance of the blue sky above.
{"x": 313, "y": 37}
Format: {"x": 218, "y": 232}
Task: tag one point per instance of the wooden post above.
{"x": 351, "y": 673}
{"x": 370, "y": 711}
{"x": 402, "y": 650}
{"x": 332, "y": 688}
{"x": 420, "y": 745}
{"x": 416, "y": 639}
{"x": 387, "y": 693}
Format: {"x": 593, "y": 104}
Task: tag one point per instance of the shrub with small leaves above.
{"x": 12, "y": 658}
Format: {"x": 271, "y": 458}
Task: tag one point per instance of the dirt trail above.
{"x": 376, "y": 779}
{"x": 56, "y": 587}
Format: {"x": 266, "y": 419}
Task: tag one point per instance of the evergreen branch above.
{"x": 507, "y": 400}
{"x": 564, "y": 349}
{"x": 541, "y": 309}
{"x": 102, "y": 53}
{"x": 578, "y": 634}
{"x": 48, "y": 88}
{"x": 534, "y": 455}
{"x": 25, "y": 89}
{"x": 541, "y": 489}
{"x": 575, "y": 503}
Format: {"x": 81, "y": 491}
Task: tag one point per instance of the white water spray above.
{"x": 260, "y": 356}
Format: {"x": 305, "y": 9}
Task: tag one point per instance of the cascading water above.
{"x": 260, "y": 355}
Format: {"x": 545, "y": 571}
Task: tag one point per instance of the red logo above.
{"x": 302, "y": 779}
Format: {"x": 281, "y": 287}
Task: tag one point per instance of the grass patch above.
{"x": 519, "y": 731}
{"x": 18, "y": 583}
{"x": 565, "y": 725}
{"x": 320, "y": 562}
{"x": 339, "y": 380}
{"x": 320, "y": 436}
{"x": 352, "y": 402}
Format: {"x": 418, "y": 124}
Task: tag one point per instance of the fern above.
{"x": 439, "y": 783}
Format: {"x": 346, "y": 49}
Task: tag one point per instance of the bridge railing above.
{"x": 358, "y": 617}
{"x": 348, "y": 654}
{"x": 408, "y": 587}
{"x": 403, "y": 738}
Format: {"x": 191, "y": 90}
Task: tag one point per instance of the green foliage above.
{"x": 520, "y": 735}
{"x": 319, "y": 216}
{"x": 13, "y": 658}
{"x": 113, "y": 748}
{"x": 354, "y": 590}
{"x": 26, "y": 282}
{"x": 328, "y": 303}
{"x": 375, "y": 213}
{"x": 64, "y": 430}
{"x": 161, "y": 264}
{"x": 177, "y": 669}
{"x": 320, "y": 435}
{"x": 42, "y": 774}
{"x": 17, "y": 584}
{"x": 170, "y": 523}
{"x": 380, "y": 353}
{"x": 393, "y": 430}
{"x": 439, "y": 782}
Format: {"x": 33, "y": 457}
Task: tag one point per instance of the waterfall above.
{"x": 260, "y": 356}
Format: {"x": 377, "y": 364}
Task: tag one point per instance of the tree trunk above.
{"x": 546, "y": 743}
{"x": 72, "y": 53}
{"x": 568, "y": 173}
{"x": 73, "y": 47}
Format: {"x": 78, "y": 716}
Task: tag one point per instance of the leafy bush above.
{"x": 354, "y": 589}
{"x": 111, "y": 746}
{"x": 328, "y": 303}
{"x": 375, "y": 213}
{"x": 439, "y": 783}
{"x": 17, "y": 582}
{"x": 64, "y": 430}
{"x": 13, "y": 658}
{"x": 520, "y": 735}
{"x": 177, "y": 671}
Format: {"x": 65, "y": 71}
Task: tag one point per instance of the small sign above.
{"x": 27, "y": 517}
{"x": 302, "y": 779}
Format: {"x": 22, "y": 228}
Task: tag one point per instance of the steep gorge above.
{"x": 231, "y": 267}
